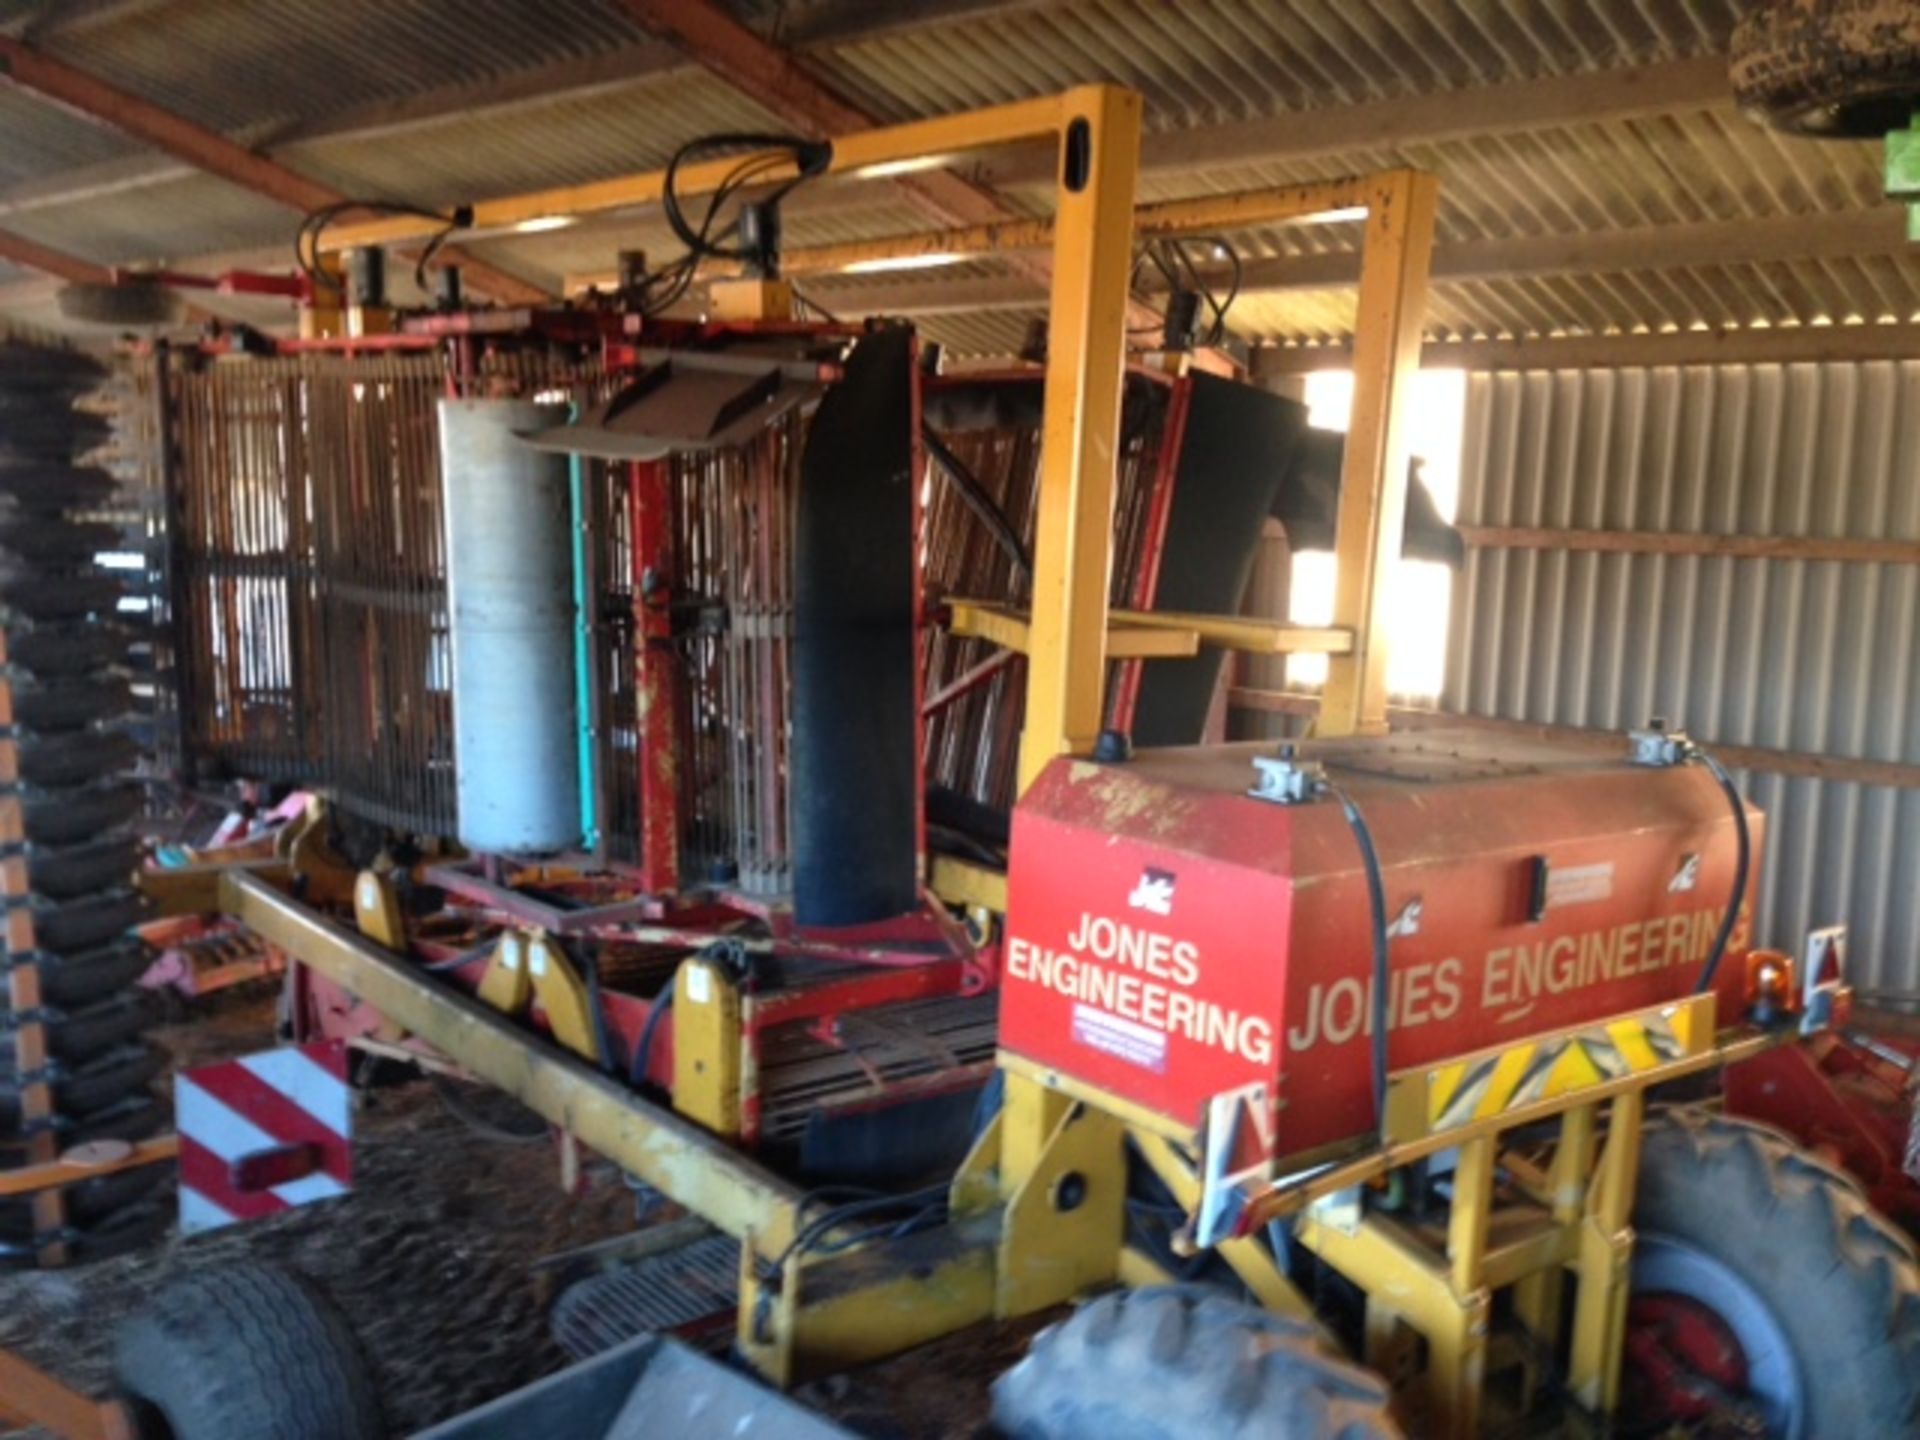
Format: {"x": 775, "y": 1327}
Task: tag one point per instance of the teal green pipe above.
{"x": 583, "y": 657}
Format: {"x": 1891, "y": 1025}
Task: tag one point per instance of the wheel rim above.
{"x": 1691, "y": 1307}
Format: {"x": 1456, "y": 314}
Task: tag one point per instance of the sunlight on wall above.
{"x": 1422, "y": 592}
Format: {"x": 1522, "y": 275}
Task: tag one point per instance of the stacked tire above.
{"x": 68, "y": 651}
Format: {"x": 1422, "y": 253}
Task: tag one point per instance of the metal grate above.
{"x": 308, "y": 572}
{"x": 677, "y": 1290}
{"x": 972, "y": 743}
{"x": 736, "y": 542}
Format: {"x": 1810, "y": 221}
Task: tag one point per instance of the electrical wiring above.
{"x": 974, "y": 495}
{"x": 1382, "y": 970}
{"x": 660, "y": 289}
{"x": 1174, "y": 259}
{"x": 1741, "y": 868}
{"x": 306, "y": 240}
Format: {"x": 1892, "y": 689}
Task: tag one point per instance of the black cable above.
{"x": 589, "y": 967}
{"x": 809, "y": 157}
{"x": 465, "y": 957}
{"x": 643, "y": 1047}
{"x": 975, "y": 497}
{"x": 1382, "y": 968}
{"x": 306, "y": 240}
{"x": 1741, "y": 868}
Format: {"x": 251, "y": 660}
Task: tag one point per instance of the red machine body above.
{"x": 1170, "y": 938}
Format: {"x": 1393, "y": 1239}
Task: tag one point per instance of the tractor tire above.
{"x": 68, "y": 927}
{"x": 88, "y": 1203}
{"x": 1819, "y": 1293}
{"x": 61, "y": 817}
{"x": 75, "y": 1037}
{"x": 246, "y": 1352}
{"x": 1179, "y": 1361}
{"x": 52, "y": 600}
{"x": 71, "y": 981}
{"x": 51, "y": 488}
{"x": 133, "y": 305}
{"x": 1833, "y": 69}
{"x": 115, "y": 1075}
{"x": 70, "y": 703}
{"x": 49, "y": 651}
{"x": 76, "y": 870}
{"x": 77, "y": 757}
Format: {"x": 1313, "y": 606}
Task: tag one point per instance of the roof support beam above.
{"x": 1844, "y": 235}
{"x": 782, "y": 83}
{"x": 204, "y": 149}
{"x": 31, "y": 253}
{"x": 1747, "y": 345}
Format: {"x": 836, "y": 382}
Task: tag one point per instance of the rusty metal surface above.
{"x": 310, "y": 576}
{"x": 971, "y": 742}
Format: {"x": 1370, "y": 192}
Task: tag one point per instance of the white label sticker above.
{"x": 699, "y": 985}
{"x": 1579, "y": 885}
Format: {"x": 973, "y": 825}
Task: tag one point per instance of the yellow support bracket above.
{"x": 1010, "y": 630}
{"x": 707, "y": 1061}
{"x": 563, "y": 994}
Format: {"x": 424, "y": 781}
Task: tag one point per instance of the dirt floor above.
{"x": 429, "y": 1259}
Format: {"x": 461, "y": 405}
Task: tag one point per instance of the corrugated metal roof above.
{"x": 1810, "y": 656}
{"x": 266, "y": 62}
{"x": 1208, "y": 61}
{"x": 636, "y": 126}
{"x": 274, "y": 66}
{"x": 41, "y": 139}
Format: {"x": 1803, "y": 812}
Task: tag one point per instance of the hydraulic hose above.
{"x": 1740, "y": 872}
{"x": 643, "y": 1047}
{"x": 975, "y": 497}
{"x": 1382, "y": 968}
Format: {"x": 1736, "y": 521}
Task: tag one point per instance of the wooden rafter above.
{"x": 205, "y": 149}
{"x": 31, "y": 253}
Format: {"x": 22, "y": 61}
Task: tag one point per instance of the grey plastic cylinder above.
{"x": 511, "y": 615}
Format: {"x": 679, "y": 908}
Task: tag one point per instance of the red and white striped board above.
{"x": 263, "y": 1134}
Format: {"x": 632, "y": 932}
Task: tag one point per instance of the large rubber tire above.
{"x": 47, "y": 651}
{"x": 1829, "y": 68}
{"x": 54, "y": 601}
{"x": 70, "y": 926}
{"x": 76, "y": 1037}
{"x": 74, "y": 870}
{"x": 1181, "y": 1361}
{"x": 52, "y": 488}
{"x": 72, "y": 702}
{"x": 62, "y": 817}
{"x": 247, "y": 1352}
{"x": 75, "y": 757}
{"x": 80, "y": 1091}
{"x": 129, "y": 306}
{"x": 1733, "y": 1215}
{"x": 71, "y": 981}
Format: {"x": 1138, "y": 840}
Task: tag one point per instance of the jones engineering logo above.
{"x": 1154, "y": 893}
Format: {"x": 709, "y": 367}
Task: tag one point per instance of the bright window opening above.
{"x": 1421, "y": 591}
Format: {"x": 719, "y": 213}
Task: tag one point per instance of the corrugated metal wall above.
{"x": 1809, "y": 656}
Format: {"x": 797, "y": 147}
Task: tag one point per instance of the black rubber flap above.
{"x": 854, "y": 770}
{"x": 1309, "y": 504}
{"x": 1240, "y": 443}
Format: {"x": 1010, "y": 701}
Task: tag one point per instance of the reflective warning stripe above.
{"x": 1484, "y": 1086}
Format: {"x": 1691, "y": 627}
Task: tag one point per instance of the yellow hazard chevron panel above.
{"x": 1494, "y": 1082}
